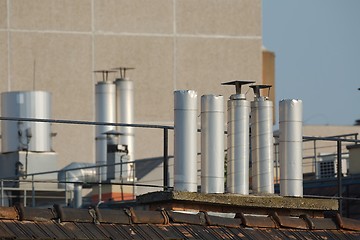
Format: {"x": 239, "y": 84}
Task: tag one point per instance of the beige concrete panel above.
{"x": 153, "y": 59}
{"x": 135, "y": 16}
{"x": 66, "y": 15}
{"x": 203, "y": 64}
{"x": 3, "y": 14}
{"x": 63, "y": 66}
{"x": 3, "y": 61}
{"x": 219, "y": 17}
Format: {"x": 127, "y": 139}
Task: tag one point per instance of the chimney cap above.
{"x": 105, "y": 73}
{"x": 238, "y": 84}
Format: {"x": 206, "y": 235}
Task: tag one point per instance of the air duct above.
{"x": 262, "y": 149}
{"x": 125, "y": 114}
{"x": 238, "y": 141}
{"x": 290, "y": 147}
{"x": 105, "y": 113}
{"x": 25, "y": 135}
{"x": 185, "y": 145}
{"x": 212, "y": 144}
{"x": 76, "y": 172}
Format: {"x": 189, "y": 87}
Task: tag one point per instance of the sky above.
{"x": 317, "y": 48}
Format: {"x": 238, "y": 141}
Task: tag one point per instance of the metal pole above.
{"x": 25, "y": 198}
{"x": 2, "y": 192}
{"x": 339, "y": 175}
{"x": 66, "y": 202}
{"x": 99, "y": 187}
{"x": 32, "y": 191}
{"x": 166, "y": 160}
{"x": 315, "y": 157}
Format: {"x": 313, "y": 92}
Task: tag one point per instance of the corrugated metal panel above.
{"x": 13, "y": 228}
{"x": 74, "y": 231}
{"x": 5, "y": 233}
{"x": 54, "y": 230}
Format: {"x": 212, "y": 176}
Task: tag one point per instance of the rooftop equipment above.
{"x": 105, "y": 95}
{"x": 125, "y": 114}
{"x": 23, "y": 135}
{"x": 185, "y": 145}
{"x": 238, "y": 140}
{"x": 262, "y": 150}
{"x": 290, "y": 147}
{"x": 212, "y": 144}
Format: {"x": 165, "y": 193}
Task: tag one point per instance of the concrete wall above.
{"x": 173, "y": 44}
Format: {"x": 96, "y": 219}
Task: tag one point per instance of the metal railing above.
{"x": 339, "y": 141}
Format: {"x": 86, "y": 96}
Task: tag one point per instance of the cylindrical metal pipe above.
{"x": 212, "y": 144}
{"x": 31, "y": 136}
{"x": 105, "y": 112}
{"x": 77, "y": 195}
{"x": 262, "y": 148}
{"x": 238, "y": 145}
{"x": 185, "y": 141}
{"x": 125, "y": 114}
{"x": 290, "y": 146}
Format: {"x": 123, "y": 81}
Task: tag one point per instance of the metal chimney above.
{"x": 105, "y": 112}
{"x": 125, "y": 114}
{"x": 290, "y": 147}
{"x": 262, "y": 149}
{"x": 238, "y": 141}
{"x": 185, "y": 145}
{"x": 212, "y": 144}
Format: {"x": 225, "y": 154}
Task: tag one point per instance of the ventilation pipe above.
{"x": 78, "y": 201}
{"x": 262, "y": 149}
{"x": 105, "y": 113}
{"x": 212, "y": 144}
{"x": 125, "y": 114}
{"x": 238, "y": 141}
{"x": 185, "y": 145}
{"x": 290, "y": 147}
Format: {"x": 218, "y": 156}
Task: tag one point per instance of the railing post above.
{"x": 339, "y": 174}
{"x": 166, "y": 161}
{"x": 32, "y": 191}
{"x": 99, "y": 186}
{"x": 2, "y": 192}
{"x": 25, "y": 195}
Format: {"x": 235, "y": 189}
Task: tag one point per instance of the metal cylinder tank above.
{"x": 290, "y": 147}
{"x": 185, "y": 140}
{"x": 22, "y": 135}
{"x": 125, "y": 114}
{"x": 262, "y": 149}
{"x": 238, "y": 145}
{"x": 105, "y": 112}
{"x": 212, "y": 144}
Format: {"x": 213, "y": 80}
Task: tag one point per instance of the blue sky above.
{"x": 317, "y": 47}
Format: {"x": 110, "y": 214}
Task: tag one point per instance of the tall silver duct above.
{"x": 185, "y": 145}
{"x": 212, "y": 144}
{"x": 262, "y": 149}
{"x": 22, "y": 135}
{"x": 125, "y": 114}
{"x": 104, "y": 112}
{"x": 290, "y": 147}
{"x": 238, "y": 141}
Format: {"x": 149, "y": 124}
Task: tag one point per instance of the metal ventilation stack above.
{"x": 212, "y": 144}
{"x": 185, "y": 140}
{"x": 238, "y": 141}
{"x": 105, "y": 113}
{"x": 26, "y": 145}
{"x": 290, "y": 146}
{"x": 125, "y": 114}
{"x": 262, "y": 149}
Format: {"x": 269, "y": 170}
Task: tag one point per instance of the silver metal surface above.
{"x": 262, "y": 151}
{"x": 185, "y": 140}
{"x": 105, "y": 112}
{"x": 79, "y": 175}
{"x": 212, "y": 144}
{"x": 78, "y": 201}
{"x": 290, "y": 147}
{"x": 238, "y": 145}
{"x": 125, "y": 114}
{"x": 32, "y": 136}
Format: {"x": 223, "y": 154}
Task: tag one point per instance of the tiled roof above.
{"x": 67, "y": 223}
